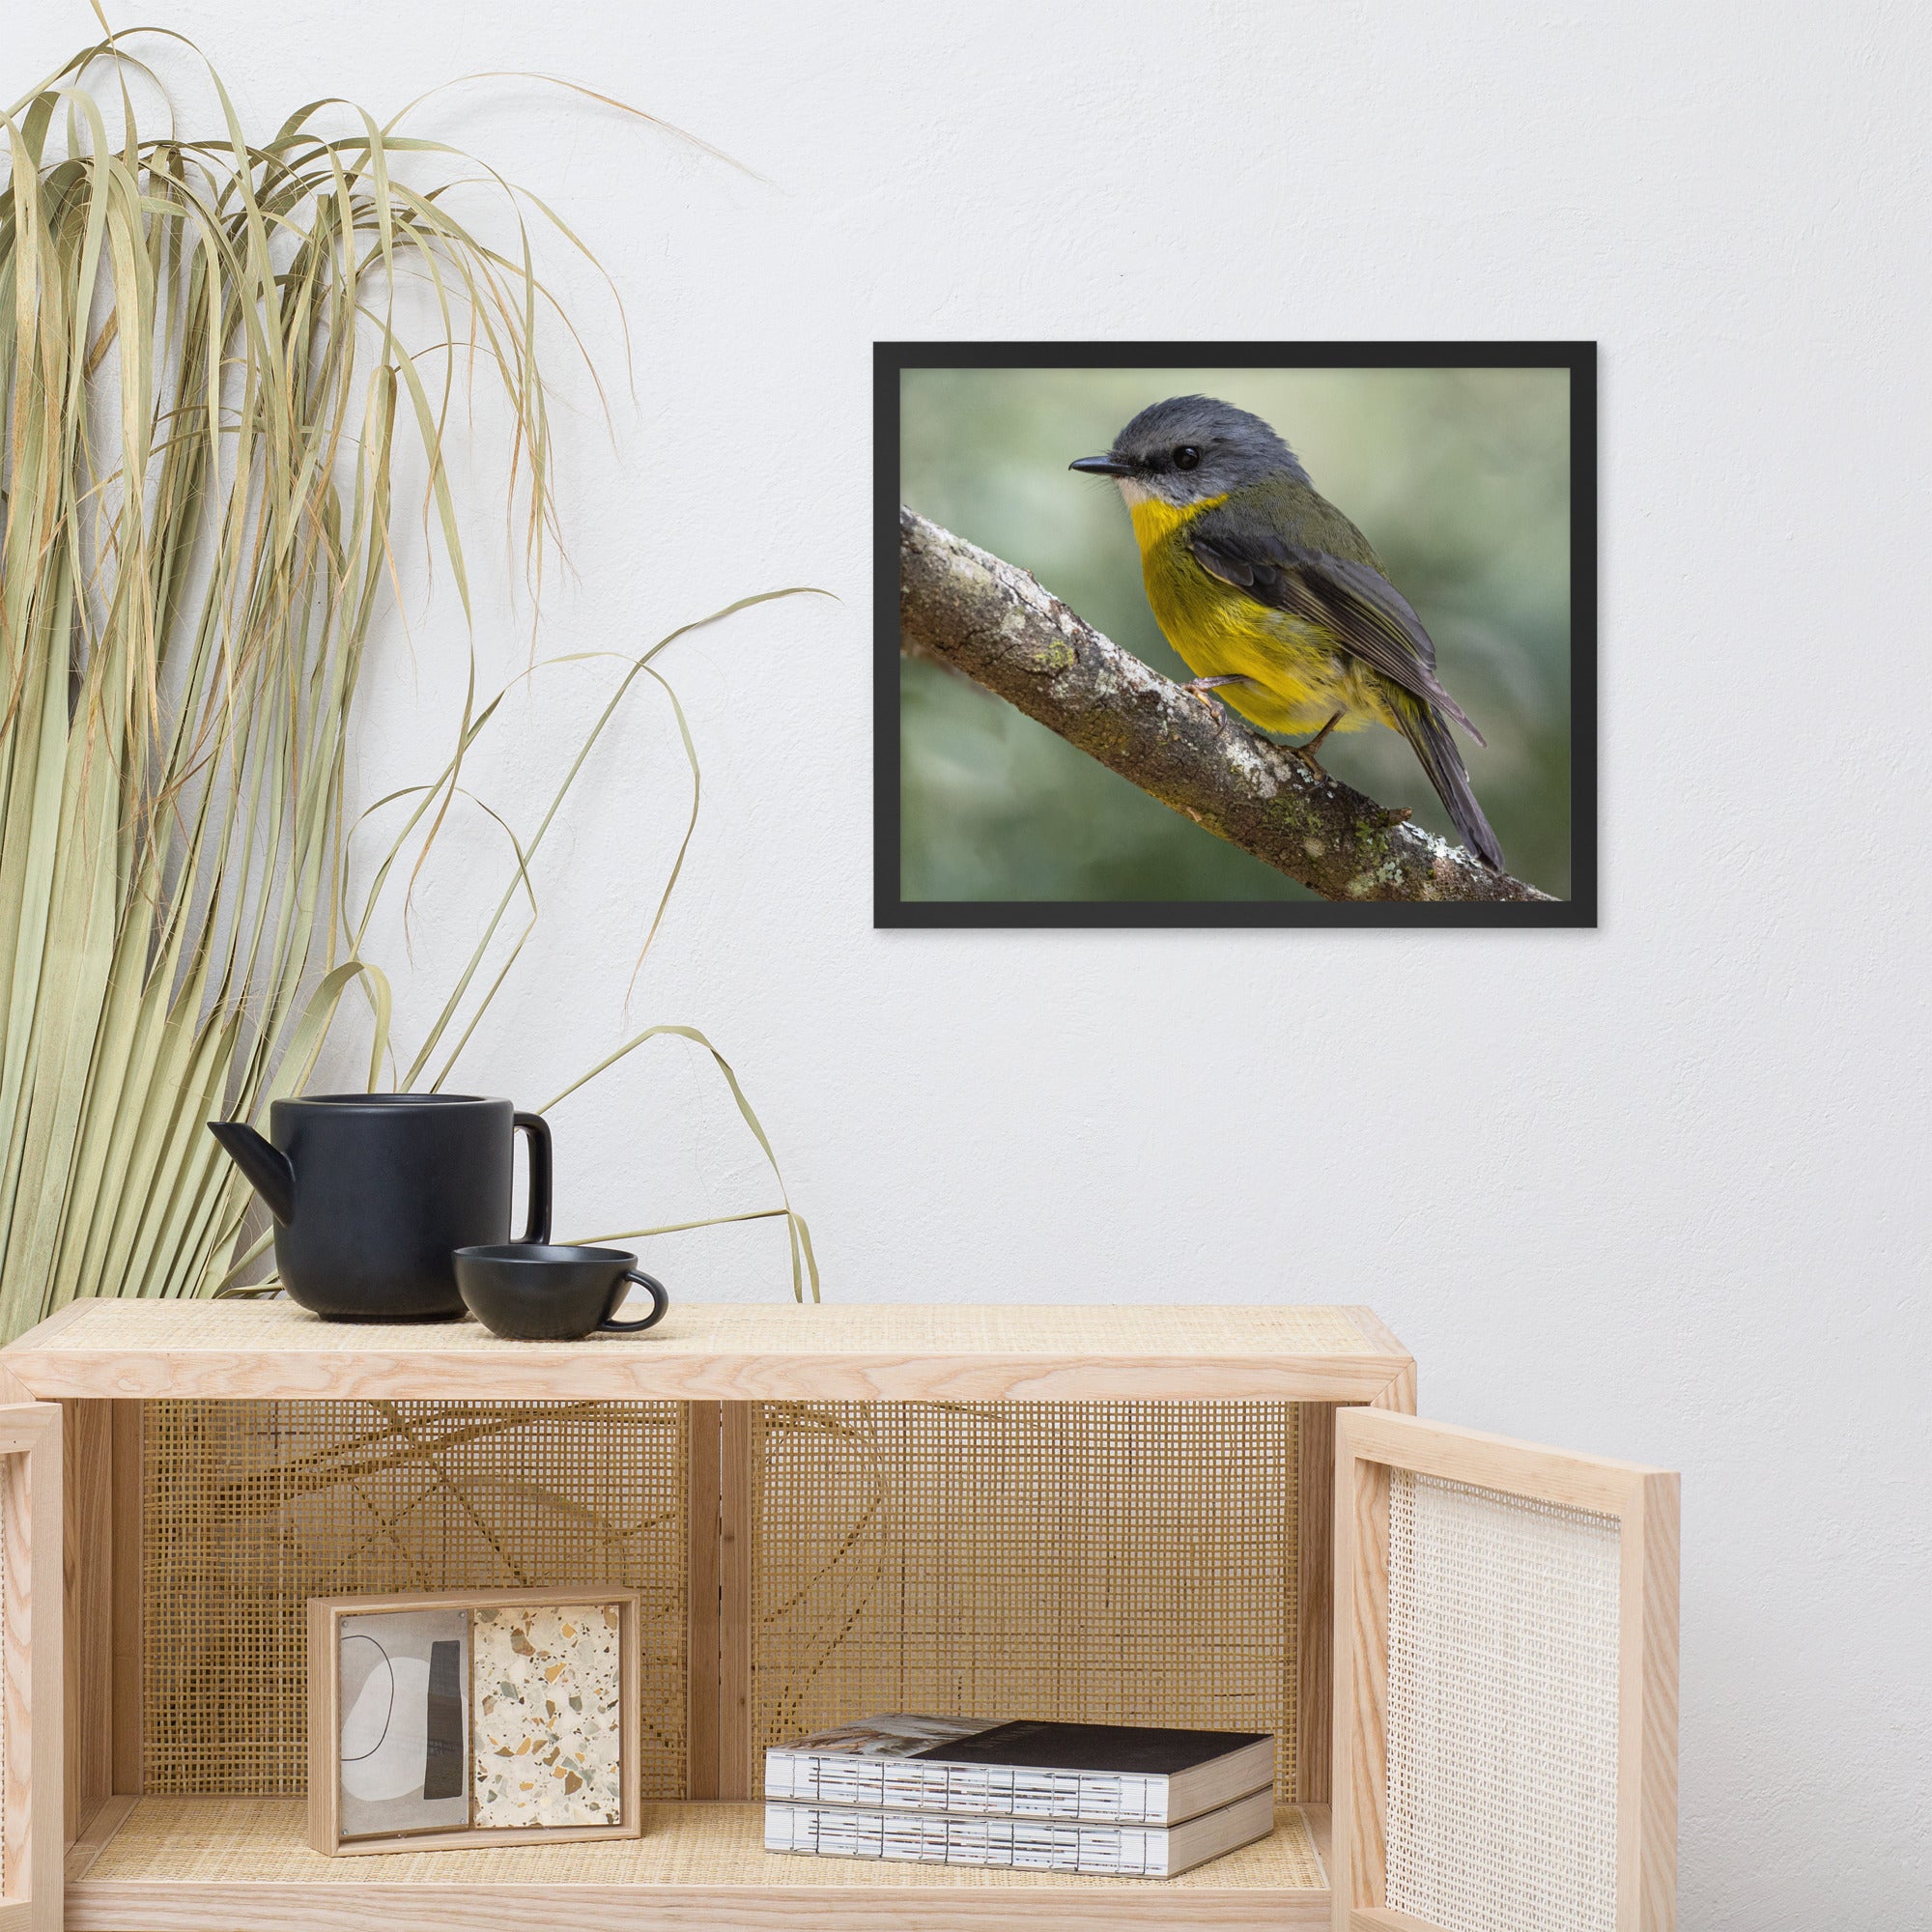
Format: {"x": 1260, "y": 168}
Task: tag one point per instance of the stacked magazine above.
{"x": 1113, "y": 1799}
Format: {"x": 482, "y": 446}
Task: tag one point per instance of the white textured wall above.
{"x": 1658, "y": 1190}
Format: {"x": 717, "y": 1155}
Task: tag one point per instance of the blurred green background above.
{"x": 1458, "y": 477}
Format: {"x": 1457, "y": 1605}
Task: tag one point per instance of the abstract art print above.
{"x": 479, "y": 1717}
{"x": 1235, "y": 634}
{"x": 403, "y": 1730}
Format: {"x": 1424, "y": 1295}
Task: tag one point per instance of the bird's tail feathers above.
{"x": 1428, "y": 732}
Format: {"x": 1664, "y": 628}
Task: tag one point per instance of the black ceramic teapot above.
{"x": 373, "y": 1192}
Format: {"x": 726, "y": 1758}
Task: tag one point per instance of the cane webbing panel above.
{"x": 251, "y": 1507}
{"x": 1131, "y": 1562}
{"x": 211, "y": 1841}
{"x": 1502, "y": 1710}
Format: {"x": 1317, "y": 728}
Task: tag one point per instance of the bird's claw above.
{"x": 1306, "y": 753}
{"x": 1202, "y": 689}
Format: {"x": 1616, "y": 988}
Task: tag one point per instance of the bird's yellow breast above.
{"x": 1301, "y": 677}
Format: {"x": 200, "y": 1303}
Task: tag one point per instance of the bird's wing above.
{"x": 1356, "y": 603}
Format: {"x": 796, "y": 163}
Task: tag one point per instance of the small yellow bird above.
{"x": 1272, "y": 596}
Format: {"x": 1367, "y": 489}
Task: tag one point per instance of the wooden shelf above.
{"x": 241, "y": 1865}
{"x": 734, "y": 1352}
{"x": 238, "y": 1865}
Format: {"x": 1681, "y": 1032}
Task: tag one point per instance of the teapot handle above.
{"x": 537, "y": 1127}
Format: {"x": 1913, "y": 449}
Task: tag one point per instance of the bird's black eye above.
{"x": 1186, "y": 456}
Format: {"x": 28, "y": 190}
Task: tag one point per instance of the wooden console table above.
{"x": 138, "y": 1862}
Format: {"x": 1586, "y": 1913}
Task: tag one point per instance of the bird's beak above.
{"x": 1100, "y": 465}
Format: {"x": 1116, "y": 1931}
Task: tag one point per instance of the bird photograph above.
{"x": 1272, "y": 597}
{"x": 1368, "y": 567}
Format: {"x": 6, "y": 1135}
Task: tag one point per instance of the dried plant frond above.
{"x": 209, "y": 378}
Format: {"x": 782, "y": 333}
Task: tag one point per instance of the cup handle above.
{"x": 660, "y": 1302}
{"x": 538, "y": 1129}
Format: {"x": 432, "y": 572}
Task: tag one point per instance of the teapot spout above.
{"x": 266, "y": 1166}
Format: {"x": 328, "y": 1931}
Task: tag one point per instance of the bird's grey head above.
{"x": 1192, "y": 448}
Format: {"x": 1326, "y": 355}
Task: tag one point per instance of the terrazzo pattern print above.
{"x": 548, "y": 1724}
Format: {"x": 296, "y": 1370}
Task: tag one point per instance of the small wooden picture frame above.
{"x": 417, "y": 1697}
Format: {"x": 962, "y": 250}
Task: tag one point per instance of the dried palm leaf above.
{"x": 207, "y": 381}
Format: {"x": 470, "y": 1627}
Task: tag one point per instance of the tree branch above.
{"x": 966, "y": 609}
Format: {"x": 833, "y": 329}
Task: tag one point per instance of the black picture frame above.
{"x": 890, "y": 359}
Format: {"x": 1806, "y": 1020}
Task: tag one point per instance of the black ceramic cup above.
{"x": 529, "y": 1291}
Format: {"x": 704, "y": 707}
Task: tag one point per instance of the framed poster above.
{"x": 473, "y": 1718}
{"x": 1211, "y": 634}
